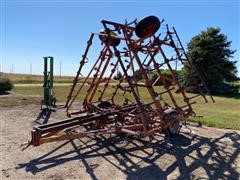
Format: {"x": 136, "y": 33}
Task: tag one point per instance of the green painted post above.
{"x": 51, "y": 81}
{"x": 45, "y": 84}
{"x": 51, "y": 72}
{"x": 49, "y": 99}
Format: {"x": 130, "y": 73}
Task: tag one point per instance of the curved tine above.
{"x": 25, "y": 145}
{"x": 132, "y": 22}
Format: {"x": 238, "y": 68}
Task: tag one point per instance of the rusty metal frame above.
{"x": 138, "y": 118}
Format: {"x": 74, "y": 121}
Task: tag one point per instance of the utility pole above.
{"x": 60, "y": 68}
{"x": 30, "y": 68}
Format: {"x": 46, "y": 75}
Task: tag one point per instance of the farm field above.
{"x": 33, "y": 79}
{"x": 19, "y": 79}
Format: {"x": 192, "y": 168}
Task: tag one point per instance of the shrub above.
{"x": 5, "y": 85}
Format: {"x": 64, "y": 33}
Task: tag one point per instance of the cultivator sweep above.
{"x": 133, "y": 104}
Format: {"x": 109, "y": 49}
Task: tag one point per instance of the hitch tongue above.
{"x": 25, "y": 145}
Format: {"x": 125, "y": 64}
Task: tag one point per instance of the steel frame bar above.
{"x": 82, "y": 62}
{"x": 73, "y": 98}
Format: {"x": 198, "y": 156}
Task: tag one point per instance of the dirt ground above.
{"x": 197, "y": 153}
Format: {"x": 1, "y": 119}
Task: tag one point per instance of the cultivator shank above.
{"x": 132, "y": 104}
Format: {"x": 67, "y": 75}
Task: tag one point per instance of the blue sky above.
{"x": 33, "y": 29}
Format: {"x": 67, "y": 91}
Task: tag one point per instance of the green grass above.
{"x": 225, "y": 113}
{"x": 38, "y": 79}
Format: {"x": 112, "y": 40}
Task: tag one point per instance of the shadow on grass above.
{"x": 125, "y": 155}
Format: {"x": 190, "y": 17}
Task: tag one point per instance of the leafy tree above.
{"x": 210, "y": 53}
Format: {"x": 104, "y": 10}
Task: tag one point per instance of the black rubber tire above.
{"x": 105, "y": 39}
{"x": 147, "y": 26}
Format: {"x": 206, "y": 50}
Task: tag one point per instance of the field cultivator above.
{"x": 131, "y": 105}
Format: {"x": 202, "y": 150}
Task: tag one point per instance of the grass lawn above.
{"x": 225, "y": 113}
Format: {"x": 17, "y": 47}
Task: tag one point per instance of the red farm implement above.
{"x": 132, "y": 104}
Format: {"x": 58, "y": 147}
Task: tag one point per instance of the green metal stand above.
{"x": 48, "y": 98}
